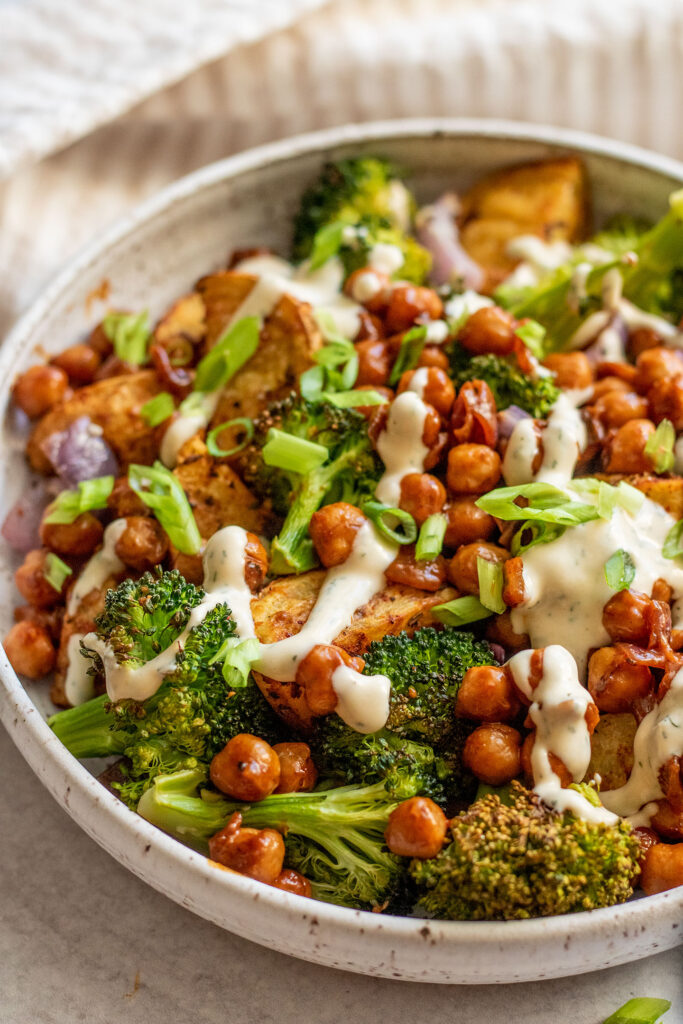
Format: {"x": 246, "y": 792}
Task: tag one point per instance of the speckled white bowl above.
{"x": 148, "y": 258}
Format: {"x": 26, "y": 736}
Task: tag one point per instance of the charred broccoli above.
{"x": 366, "y": 194}
{"x": 510, "y": 386}
{"x": 333, "y": 836}
{"x": 350, "y": 471}
{"x": 524, "y": 860}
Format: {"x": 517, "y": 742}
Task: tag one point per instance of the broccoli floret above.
{"x": 194, "y": 712}
{"x": 524, "y": 860}
{"x": 350, "y": 473}
{"x": 510, "y": 386}
{"x": 333, "y": 836}
{"x": 365, "y": 193}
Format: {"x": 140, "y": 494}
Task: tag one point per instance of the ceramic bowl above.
{"x": 147, "y": 259}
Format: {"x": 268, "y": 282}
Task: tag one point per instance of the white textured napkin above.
{"x": 607, "y": 67}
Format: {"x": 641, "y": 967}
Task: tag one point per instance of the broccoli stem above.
{"x": 86, "y": 730}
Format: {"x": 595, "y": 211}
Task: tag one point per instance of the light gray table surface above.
{"x": 81, "y": 939}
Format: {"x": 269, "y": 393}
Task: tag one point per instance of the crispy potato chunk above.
{"x": 284, "y": 606}
{"x": 217, "y": 495}
{"x": 548, "y": 199}
{"x": 82, "y": 621}
{"x": 667, "y": 492}
{"x": 222, "y": 294}
{"x": 612, "y": 750}
{"x": 185, "y": 320}
{"x": 114, "y": 404}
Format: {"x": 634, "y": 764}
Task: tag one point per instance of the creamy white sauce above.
{"x": 563, "y": 438}
{"x": 419, "y": 380}
{"x": 321, "y": 288}
{"x": 462, "y": 306}
{"x": 104, "y": 563}
{"x": 185, "y": 426}
{"x": 78, "y": 685}
{"x": 400, "y": 445}
{"x": 522, "y": 448}
{"x": 362, "y": 701}
{"x": 558, "y": 710}
{"x": 437, "y": 332}
{"x": 577, "y": 285}
{"x": 658, "y": 738}
{"x": 366, "y": 286}
{"x": 385, "y": 258}
{"x": 565, "y": 589}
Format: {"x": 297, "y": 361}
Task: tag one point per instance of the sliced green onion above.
{"x": 620, "y": 570}
{"x": 161, "y": 491}
{"x": 327, "y": 243}
{"x": 430, "y": 539}
{"x": 312, "y": 383}
{"x": 56, "y": 571}
{"x": 547, "y": 504}
{"x": 352, "y": 399}
{"x": 660, "y": 447}
{"x": 673, "y": 542}
{"x": 293, "y": 454}
{"x": 231, "y": 351}
{"x": 490, "y": 576}
{"x": 220, "y": 453}
{"x": 88, "y": 495}
{"x": 198, "y": 403}
{"x": 460, "y": 611}
{"x": 347, "y": 376}
{"x": 237, "y": 656}
{"x": 608, "y": 497}
{"x": 644, "y": 1010}
{"x": 130, "y": 336}
{"x": 386, "y": 520}
{"x": 630, "y": 498}
{"x": 158, "y": 409}
{"x": 540, "y": 533}
{"x": 533, "y": 335}
{"x": 412, "y": 343}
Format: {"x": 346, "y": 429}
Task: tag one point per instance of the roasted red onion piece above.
{"x": 610, "y": 343}
{"x": 80, "y": 452}
{"x": 498, "y": 652}
{"x": 22, "y": 522}
{"x": 437, "y": 230}
{"x": 508, "y": 420}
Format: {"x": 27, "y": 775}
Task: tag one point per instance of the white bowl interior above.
{"x": 147, "y": 261}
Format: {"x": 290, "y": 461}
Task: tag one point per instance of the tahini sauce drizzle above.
{"x": 400, "y": 446}
{"x": 563, "y": 438}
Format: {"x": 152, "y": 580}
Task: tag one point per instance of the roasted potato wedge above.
{"x": 184, "y": 322}
{"x": 282, "y": 608}
{"x": 665, "y": 491}
{"x": 222, "y": 294}
{"x": 548, "y": 199}
{"x": 612, "y": 750}
{"x": 114, "y": 405}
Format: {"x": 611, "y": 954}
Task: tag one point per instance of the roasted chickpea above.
{"x": 333, "y": 529}
{"x": 247, "y": 768}
{"x": 297, "y": 770}
{"x": 370, "y": 287}
{"x": 100, "y": 340}
{"x": 493, "y": 753}
{"x": 32, "y": 584}
{"x": 39, "y": 388}
{"x": 423, "y": 495}
{"x": 462, "y": 568}
{"x": 571, "y": 369}
{"x": 656, "y": 364}
{"x": 370, "y": 327}
{"x": 433, "y": 355}
{"x": 557, "y": 766}
{"x": 642, "y": 339}
{"x": 618, "y": 407}
{"x": 30, "y": 650}
{"x": 79, "y": 362}
{"x": 625, "y": 452}
{"x": 50, "y": 619}
{"x": 124, "y": 501}
{"x": 255, "y": 562}
{"x": 487, "y": 694}
{"x": 315, "y": 673}
{"x": 428, "y": 574}
{"x": 77, "y": 539}
{"x": 375, "y": 359}
{"x": 607, "y": 384}
{"x": 466, "y": 522}
{"x": 256, "y": 853}
{"x": 436, "y": 388}
{"x": 408, "y": 303}
{"x": 291, "y": 881}
{"x": 189, "y": 566}
{"x": 416, "y": 828}
{"x": 626, "y": 617}
{"x": 472, "y": 469}
{"x": 370, "y": 411}
{"x": 499, "y": 631}
{"x": 613, "y": 683}
{"x": 143, "y": 544}
{"x": 667, "y": 821}
{"x": 665, "y": 401}
{"x": 490, "y": 329}
{"x": 662, "y": 868}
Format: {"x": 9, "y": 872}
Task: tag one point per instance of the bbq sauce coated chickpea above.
{"x": 39, "y": 388}
{"x": 556, "y": 764}
{"x": 407, "y": 303}
{"x": 493, "y": 753}
{"x": 291, "y": 881}
{"x": 124, "y": 502}
{"x": 247, "y": 768}
{"x": 662, "y": 868}
{"x": 76, "y": 539}
{"x": 614, "y": 683}
{"x": 423, "y": 495}
{"x": 466, "y": 522}
{"x": 315, "y": 672}
{"x": 416, "y": 828}
{"x": 625, "y": 452}
{"x": 31, "y": 583}
{"x": 618, "y": 407}
{"x": 462, "y": 568}
{"x": 438, "y": 389}
{"x": 665, "y": 401}
{"x": 571, "y": 369}
{"x": 256, "y": 853}
{"x": 472, "y": 469}
{"x": 79, "y": 362}
{"x": 143, "y": 544}
{"x": 297, "y": 770}
{"x": 656, "y": 364}
{"x": 405, "y": 569}
{"x": 30, "y": 650}
{"x": 375, "y": 359}
{"x": 487, "y": 694}
{"x": 488, "y": 330}
{"x": 626, "y": 617}
{"x": 255, "y": 562}
{"x": 333, "y": 529}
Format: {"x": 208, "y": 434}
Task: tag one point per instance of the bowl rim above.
{"x": 79, "y": 792}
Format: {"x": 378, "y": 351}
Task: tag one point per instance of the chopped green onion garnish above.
{"x": 536, "y": 533}
{"x": 88, "y": 495}
{"x": 547, "y": 504}
{"x": 460, "y": 611}
{"x": 312, "y": 383}
{"x": 620, "y": 570}
{"x": 673, "y": 542}
{"x": 293, "y": 454}
{"x": 231, "y": 351}
{"x": 212, "y": 444}
{"x": 644, "y": 1010}
{"x": 430, "y": 539}
{"x": 162, "y": 492}
{"x": 491, "y": 585}
{"x": 237, "y": 656}
{"x": 352, "y": 399}
{"x": 630, "y": 498}
{"x": 412, "y": 343}
{"x": 533, "y": 336}
{"x": 386, "y": 520}
{"x": 158, "y": 409}
{"x": 56, "y": 571}
{"x": 659, "y": 447}
{"x": 337, "y": 363}
{"x": 129, "y": 334}
{"x": 327, "y": 243}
